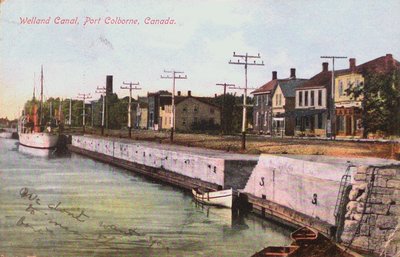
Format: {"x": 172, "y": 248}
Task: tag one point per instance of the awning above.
{"x": 302, "y": 113}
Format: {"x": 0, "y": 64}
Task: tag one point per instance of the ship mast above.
{"x": 41, "y": 98}
{"x": 34, "y": 88}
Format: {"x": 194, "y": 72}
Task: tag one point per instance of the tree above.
{"x": 233, "y": 111}
{"x": 380, "y": 94}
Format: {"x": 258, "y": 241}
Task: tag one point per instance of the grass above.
{"x": 260, "y": 144}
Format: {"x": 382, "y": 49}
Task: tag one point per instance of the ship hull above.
{"x": 38, "y": 140}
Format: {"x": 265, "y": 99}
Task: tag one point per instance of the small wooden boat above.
{"x": 220, "y": 198}
{"x": 277, "y": 251}
{"x": 304, "y": 235}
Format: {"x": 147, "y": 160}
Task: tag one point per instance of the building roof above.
{"x": 266, "y": 88}
{"x": 379, "y": 65}
{"x": 288, "y": 87}
{"x": 270, "y": 86}
{"x": 205, "y": 100}
{"x": 322, "y": 79}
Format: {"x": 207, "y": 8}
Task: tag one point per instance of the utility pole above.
{"x": 173, "y": 77}
{"x": 245, "y": 61}
{"x": 70, "y": 113}
{"x": 223, "y": 121}
{"x": 84, "y": 97}
{"x": 130, "y": 84}
{"x": 102, "y": 91}
{"x": 51, "y": 110}
{"x": 60, "y": 117}
{"x": 331, "y": 126}
{"x": 41, "y": 112}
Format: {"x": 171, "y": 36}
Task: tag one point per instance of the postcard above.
{"x": 199, "y": 128}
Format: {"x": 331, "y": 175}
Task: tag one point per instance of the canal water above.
{"x": 69, "y": 205}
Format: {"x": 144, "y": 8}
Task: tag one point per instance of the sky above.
{"x": 286, "y": 34}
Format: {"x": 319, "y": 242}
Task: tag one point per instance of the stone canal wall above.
{"x": 372, "y": 220}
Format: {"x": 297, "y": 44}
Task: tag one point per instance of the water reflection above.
{"x": 216, "y": 214}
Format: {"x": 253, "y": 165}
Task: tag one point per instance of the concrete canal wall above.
{"x": 309, "y": 186}
{"x": 215, "y": 168}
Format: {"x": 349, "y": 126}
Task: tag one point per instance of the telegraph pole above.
{"x": 331, "y": 128}
{"x": 245, "y": 61}
{"x": 70, "y": 113}
{"x": 102, "y": 91}
{"x": 130, "y": 84}
{"x": 84, "y": 97}
{"x": 223, "y": 122}
{"x": 173, "y": 77}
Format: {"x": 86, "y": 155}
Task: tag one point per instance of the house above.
{"x": 311, "y": 104}
{"x": 283, "y": 106}
{"x": 141, "y": 112}
{"x": 155, "y": 101}
{"x": 348, "y": 111}
{"x": 192, "y": 113}
{"x": 262, "y": 111}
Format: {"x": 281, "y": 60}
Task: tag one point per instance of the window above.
{"x": 300, "y": 98}
{"x": 280, "y": 99}
{"x": 340, "y": 88}
{"x": 319, "y": 97}
{"x": 256, "y": 118}
{"x": 265, "y": 119}
{"x": 211, "y": 120}
{"x": 195, "y": 119}
{"x": 196, "y": 108}
{"x": 306, "y": 98}
{"x": 257, "y": 100}
{"x": 276, "y": 99}
{"x": 184, "y": 108}
{"x": 267, "y": 100}
{"x": 312, "y": 98}
{"x": 212, "y": 110}
{"x": 183, "y": 121}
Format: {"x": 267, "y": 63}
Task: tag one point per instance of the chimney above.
{"x": 293, "y": 73}
{"x": 389, "y": 61}
{"x": 179, "y": 93}
{"x": 352, "y": 62}
{"x": 215, "y": 95}
{"x": 274, "y": 75}
{"x": 109, "y": 85}
{"x": 325, "y": 66}
{"x": 189, "y": 93}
